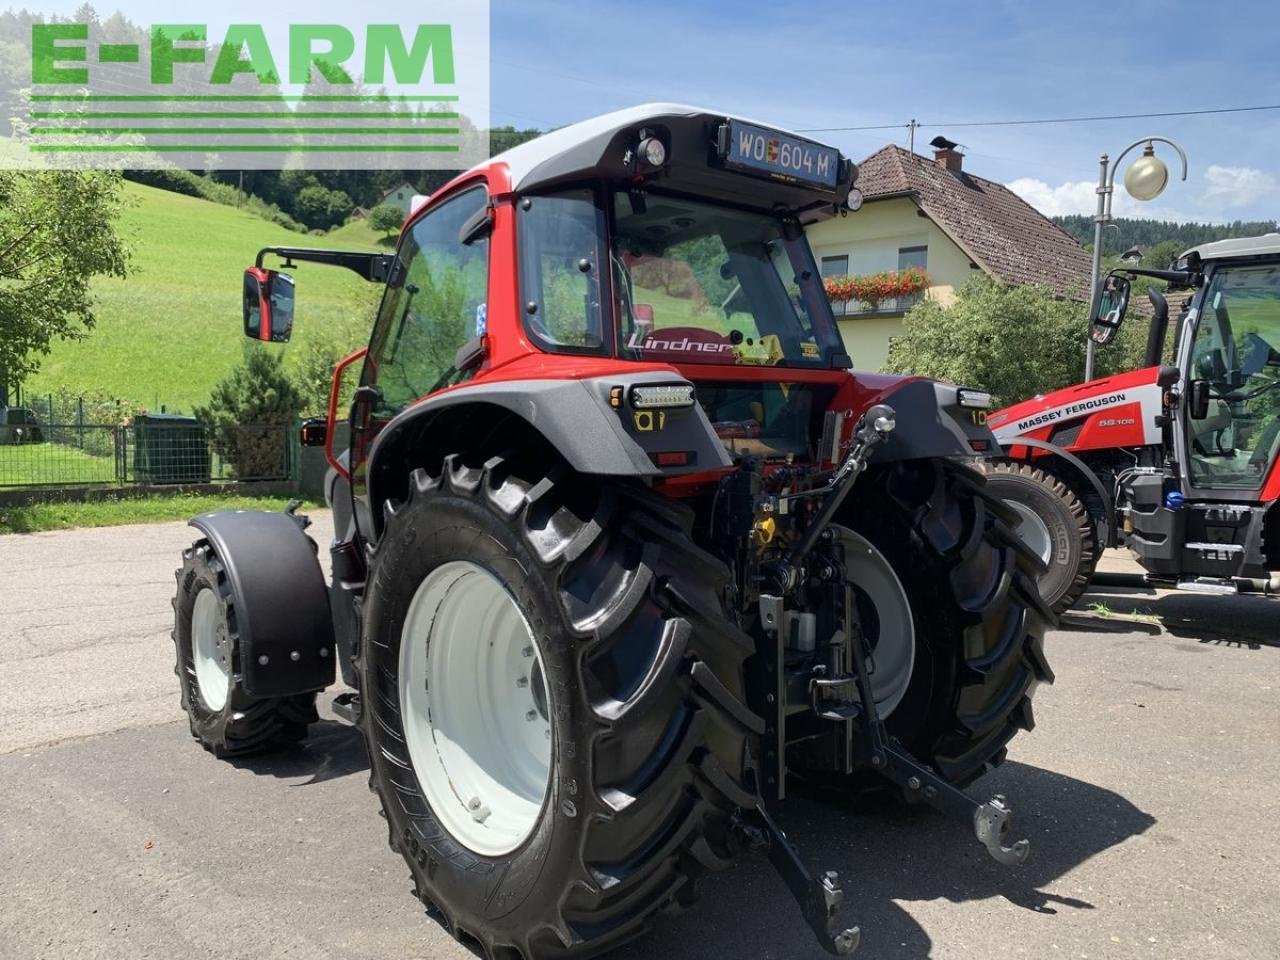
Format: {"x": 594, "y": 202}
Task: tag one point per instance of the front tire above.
{"x": 646, "y": 733}
{"x": 1054, "y": 524}
{"x": 224, "y": 718}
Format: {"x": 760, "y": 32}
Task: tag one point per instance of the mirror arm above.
{"x": 374, "y": 267}
{"x": 1178, "y": 277}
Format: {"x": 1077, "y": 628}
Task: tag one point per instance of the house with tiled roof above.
{"x": 933, "y": 214}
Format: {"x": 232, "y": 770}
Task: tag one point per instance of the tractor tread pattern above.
{"x": 1080, "y": 516}
{"x": 667, "y": 756}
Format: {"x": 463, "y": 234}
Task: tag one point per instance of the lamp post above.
{"x": 1145, "y": 180}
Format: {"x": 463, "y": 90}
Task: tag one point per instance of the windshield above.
{"x": 687, "y": 282}
{"x": 697, "y": 283}
{"x": 1237, "y": 350}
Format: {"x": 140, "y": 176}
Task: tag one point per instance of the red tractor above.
{"x": 623, "y": 549}
{"x": 1178, "y": 463}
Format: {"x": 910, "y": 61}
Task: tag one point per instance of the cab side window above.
{"x": 434, "y": 303}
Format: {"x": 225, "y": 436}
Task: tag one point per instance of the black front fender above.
{"x": 280, "y": 602}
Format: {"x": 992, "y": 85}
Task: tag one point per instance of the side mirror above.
{"x": 1198, "y": 400}
{"x": 1113, "y": 301}
{"x": 268, "y": 305}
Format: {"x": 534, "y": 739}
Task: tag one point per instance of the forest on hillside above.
{"x": 1129, "y": 232}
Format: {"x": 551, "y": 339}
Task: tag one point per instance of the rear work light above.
{"x": 662, "y": 396}
{"x": 973, "y": 399}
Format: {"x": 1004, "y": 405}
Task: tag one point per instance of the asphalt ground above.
{"x": 1148, "y": 790}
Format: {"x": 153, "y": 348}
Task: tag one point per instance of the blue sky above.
{"x": 807, "y": 65}
{"x": 858, "y": 64}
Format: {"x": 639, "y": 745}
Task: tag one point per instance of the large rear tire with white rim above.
{"x": 553, "y": 703}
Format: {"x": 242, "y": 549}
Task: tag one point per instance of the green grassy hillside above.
{"x": 171, "y": 330}
{"x": 358, "y": 235}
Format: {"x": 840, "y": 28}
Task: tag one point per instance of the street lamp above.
{"x": 1145, "y": 180}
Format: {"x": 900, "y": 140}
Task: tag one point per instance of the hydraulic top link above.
{"x": 872, "y": 430}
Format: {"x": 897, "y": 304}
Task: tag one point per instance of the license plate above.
{"x": 780, "y": 156}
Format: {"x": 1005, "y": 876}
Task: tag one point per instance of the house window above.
{"x": 836, "y": 267}
{"x": 911, "y": 257}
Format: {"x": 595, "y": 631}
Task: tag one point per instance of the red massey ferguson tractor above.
{"x": 622, "y": 547}
{"x": 1178, "y": 463}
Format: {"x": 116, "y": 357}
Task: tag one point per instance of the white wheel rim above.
{"x": 210, "y": 650}
{"x": 893, "y": 633}
{"x": 1033, "y": 531}
{"x": 474, "y": 704}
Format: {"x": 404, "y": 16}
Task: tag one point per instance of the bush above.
{"x": 320, "y": 208}
{"x": 1012, "y": 341}
{"x": 251, "y": 414}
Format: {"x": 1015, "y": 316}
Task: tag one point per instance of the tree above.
{"x": 57, "y": 232}
{"x": 250, "y": 415}
{"x": 320, "y": 208}
{"x": 386, "y": 219}
{"x": 1012, "y": 341}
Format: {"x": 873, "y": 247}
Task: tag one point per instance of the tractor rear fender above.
{"x": 591, "y": 423}
{"x": 931, "y": 423}
{"x": 278, "y": 599}
{"x": 1074, "y": 472}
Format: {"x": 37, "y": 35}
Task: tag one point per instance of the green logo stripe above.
{"x": 242, "y": 148}
{"x": 226, "y": 114}
{"x": 228, "y": 98}
{"x": 240, "y": 131}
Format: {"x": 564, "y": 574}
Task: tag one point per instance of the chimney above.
{"x": 946, "y": 155}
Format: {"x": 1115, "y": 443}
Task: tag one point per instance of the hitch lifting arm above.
{"x": 820, "y": 898}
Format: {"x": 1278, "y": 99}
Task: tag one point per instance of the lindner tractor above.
{"x": 623, "y": 550}
{"x": 1177, "y": 463}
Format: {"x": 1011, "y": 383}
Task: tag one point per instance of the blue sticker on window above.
{"x": 482, "y": 319}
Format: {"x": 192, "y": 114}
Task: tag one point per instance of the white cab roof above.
{"x": 1267, "y": 244}
{"x": 522, "y": 160}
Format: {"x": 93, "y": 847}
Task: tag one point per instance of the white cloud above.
{"x": 1081, "y": 196}
{"x": 1236, "y": 186}
{"x": 1078, "y": 196}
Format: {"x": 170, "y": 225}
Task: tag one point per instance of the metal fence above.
{"x": 151, "y": 450}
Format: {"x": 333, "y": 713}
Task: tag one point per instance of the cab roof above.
{"x": 594, "y": 149}
{"x": 1266, "y": 245}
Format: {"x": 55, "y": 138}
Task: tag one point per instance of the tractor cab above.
{"x": 1231, "y": 357}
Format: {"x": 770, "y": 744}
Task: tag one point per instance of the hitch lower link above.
{"x": 820, "y": 898}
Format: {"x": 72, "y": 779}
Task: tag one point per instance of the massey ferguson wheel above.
{"x": 553, "y": 704}
{"x": 1054, "y": 524}
{"x": 947, "y": 598}
{"x": 223, "y": 717}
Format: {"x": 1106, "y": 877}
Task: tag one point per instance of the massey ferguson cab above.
{"x": 623, "y": 550}
{"x": 1178, "y": 463}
